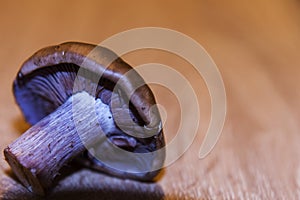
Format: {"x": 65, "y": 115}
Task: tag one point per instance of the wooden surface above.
{"x": 256, "y": 46}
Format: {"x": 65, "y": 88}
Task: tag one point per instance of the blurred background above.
{"x": 255, "y": 45}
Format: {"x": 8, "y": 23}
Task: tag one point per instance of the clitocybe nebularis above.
{"x": 76, "y": 97}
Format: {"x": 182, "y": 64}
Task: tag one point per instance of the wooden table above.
{"x": 256, "y": 47}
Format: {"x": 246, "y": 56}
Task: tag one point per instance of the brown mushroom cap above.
{"x": 46, "y": 80}
{"x": 97, "y": 60}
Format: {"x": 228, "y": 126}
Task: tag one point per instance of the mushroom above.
{"x": 59, "y": 92}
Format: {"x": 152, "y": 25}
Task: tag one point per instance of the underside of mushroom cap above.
{"x": 42, "y": 91}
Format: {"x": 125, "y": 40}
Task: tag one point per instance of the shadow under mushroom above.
{"x": 86, "y": 184}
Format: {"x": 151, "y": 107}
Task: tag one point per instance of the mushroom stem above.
{"x": 37, "y": 156}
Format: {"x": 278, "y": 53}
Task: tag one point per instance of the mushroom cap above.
{"x": 46, "y": 80}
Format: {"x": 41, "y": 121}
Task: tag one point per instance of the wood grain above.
{"x": 255, "y": 45}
